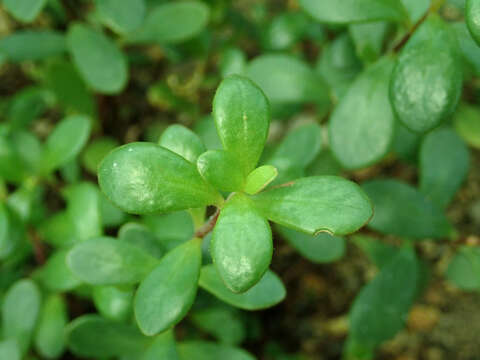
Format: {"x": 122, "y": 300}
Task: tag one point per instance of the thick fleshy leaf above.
{"x": 203, "y": 350}
{"x": 27, "y": 105}
{"x": 206, "y": 129}
{"x": 351, "y": 11}
{"x": 233, "y": 61}
{"x": 416, "y": 8}
{"x": 50, "y": 334}
{"x": 472, "y": 18}
{"x": 222, "y": 322}
{"x": 163, "y": 347}
{"x": 171, "y": 229}
{"x": 403, "y": 211}
{"x": 369, "y": 39}
{"x": 362, "y": 124}
{"x": 55, "y": 275}
{"x": 107, "y": 261}
{"x": 96, "y": 151}
{"x": 378, "y": 252}
{"x": 24, "y": 10}
{"x": 113, "y": 302}
{"x": 468, "y": 47}
{"x": 315, "y": 204}
{"x": 444, "y": 164}
{"x": 321, "y": 248}
{"x": 144, "y": 178}
{"x": 222, "y": 170}
{"x": 464, "y": 268}
{"x": 427, "y": 79}
{"x": 65, "y": 142}
{"x": 11, "y": 231}
{"x": 20, "y": 309}
{"x": 107, "y": 71}
{"x": 259, "y": 179}
{"x": 242, "y": 115}
{"x": 121, "y": 16}
{"x": 269, "y": 291}
{"x": 26, "y": 45}
{"x": 142, "y": 237}
{"x": 285, "y": 30}
{"x": 241, "y": 245}
{"x": 381, "y": 308}
{"x": 10, "y": 349}
{"x": 173, "y": 22}
{"x": 175, "y": 277}
{"x": 183, "y": 141}
{"x": 92, "y": 336}
{"x": 467, "y": 124}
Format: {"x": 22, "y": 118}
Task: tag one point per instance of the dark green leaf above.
{"x": 472, "y": 18}
{"x": 11, "y": 231}
{"x": 467, "y": 124}
{"x": 121, "y": 16}
{"x": 111, "y": 215}
{"x": 403, "y": 211}
{"x": 416, "y": 8}
{"x": 144, "y": 177}
{"x": 171, "y": 229}
{"x": 223, "y": 323}
{"x": 203, "y": 350}
{"x": 107, "y": 261}
{"x": 50, "y": 334}
{"x": 242, "y": 115}
{"x": 468, "y": 48}
{"x": 27, "y": 105}
{"x": 222, "y": 170}
{"x": 183, "y": 141}
{"x": 24, "y": 10}
{"x": 285, "y": 30}
{"x": 32, "y": 45}
{"x": 369, "y": 39}
{"x": 464, "y": 269}
{"x": 112, "y": 302}
{"x": 361, "y": 126}
{"x": 315, "y": 204}
{"x": 378, "y": 252}
{"x": 259, "y": 179}
{"x": 233, "y": 61}
{"x": 269, "y": 291}
{"x": 175, "y": 277}
{"x": 163, "y": 347}
{"x": 140, "y": 236}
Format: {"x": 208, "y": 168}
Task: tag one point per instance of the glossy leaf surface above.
{"x": 183, "y": 141}
{"x": 222, "y": 170}
{"x": 259, "y": 179}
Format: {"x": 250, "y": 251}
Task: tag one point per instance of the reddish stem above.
{"x": 208, "y": 226}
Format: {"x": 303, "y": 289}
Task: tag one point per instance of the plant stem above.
{"x": 407, "y": 37}
{"x": 208, "y": 226}
{"x": 38, "y": 248}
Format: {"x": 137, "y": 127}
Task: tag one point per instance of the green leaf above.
{"x": 162, "y": 181}
{"x": 285, "y": 30}
{"x": 401, "y": 210}
{"x": 416, "y": 8}
{"x": 112, "y": 302}
{"x": 241, "y": 245}
{"x": 406, "y": 142}
{"x": 27, "y": 105}
{"x": 468, "y": 47}
{"x": 464, "y": 268}
{"x": 50, "y": 338}
{"x": 183, "y": 141}
{"x": 223, "y": 323}
{"x": 472, "y": 18}
{"x": 92, "y": 336}
{"x": 222, "y": 170}
{"x": 24, "y": 10}
{"x": 107, "y": 261}
{"x": 315, "y": 204}
{"x": 11, "y": 231}
{"x": 206, "y": 129}
{"x": 380, "y": 309}
{"x": 352, "y": 11}
{"x": 26, "y": 45}
{"x": 55, "y": 275}
{"x": 140, "y": 236}
{"x": 173, "y": 22}
{"x": 96, "y": 151}
{"x": 57, "y": 230}
{"x": 362, "y": 125}
{"x": 269, "y": 291}
{"x": 321, "y": 248}
{"x": 12, "y": 167}
{"x": 107, "y": 71}
{"x": 233, "y": 61}
{"x": 369, "y": 39}
{"x": 111, "y": 215}
{"x": 203, "y": 350}
{"x": 20, "y": 309}
{"x": 122, "y": 17}
{"x": 259, "y": 179}
{"x": 378, "y": 252}
{"x": 242, "y": 116}
{"x": 10, "y": 349}
{"x": 442, "y": 154}
{"x": 65, "y": 142}
{"x": 163, "y": 347}
{"x": 467, "y": 124}
{"x": 175, "y": 277}
{"x": 171, "y": 229}
{"x": 287, "y": 80}
{"x": 427, "y": 79}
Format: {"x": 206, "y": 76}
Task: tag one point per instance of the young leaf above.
{"x": 20, "y": 309}
{"x": 321, "y": 248}
{"x": 144, "y": 177}
{"x": 464, "y": 268}
{"x": 427, "y": 79}
{"x": 163, "y": 347}
{"x": 442, "y": 154}
{"x": 317, "y": 203}
{"x": 361, "y": 126}
{"x": 50, "y": 334}
{"x": 65, "y": 142}
{"x": 259, "y": 179}
{"x": 55, "y": 275}
{"x": 401, "y": 210}
{"x": 107, "y": 71}
{"x": 173, "y": 22}
{"x": 242, "y": 115}
{"x": 26, "y": 45}
{"x": 241, "y": 245}
{"x": 351, "y": 11}
{"x": 92, "y": 336}
{"x": 140, "y": 236}
{"x": 107, "y": 261}
{"x": 269, "y": 291}
{"x": 183, "y": 141}
{"x": 24, "y": 10}
{"x": 379, "y": 311}
{"x": 112, "y": 302}
{"x": 122, "y": 17}
{"x": 203, "y": 350}
{"x": 175, "y": 277}
{"x": 223, "y": 323}
{"x": 222, "y": 170}
{"x": 472, "y": 18}
{"x": 467, "y": 124}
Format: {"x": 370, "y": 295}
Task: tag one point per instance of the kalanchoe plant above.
{"x": 178, "y": 174}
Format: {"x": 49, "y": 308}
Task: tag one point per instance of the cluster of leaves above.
{"x": 183, "y": 223}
